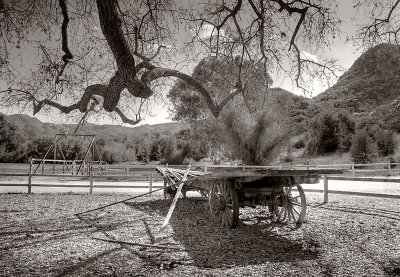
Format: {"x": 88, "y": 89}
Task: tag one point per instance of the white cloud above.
{"x": 307, "y": 56}
{"x": 206, "y": 31}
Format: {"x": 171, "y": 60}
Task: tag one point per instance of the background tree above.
{"x": 362, "y": 148}
{"x": 13, "y": 144}
{"x": 330, "y": 131}
{"x": 251, "y": 126}
{"x": 382, "y": 22}
{"x": 121, "y": 52}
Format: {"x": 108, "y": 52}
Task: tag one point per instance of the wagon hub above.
{"x": 281, "y": 201}
{"x": 221, "y": 204}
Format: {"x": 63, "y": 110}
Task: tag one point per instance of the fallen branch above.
{"x": 141, "y": 244}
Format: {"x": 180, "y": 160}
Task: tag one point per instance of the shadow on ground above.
{"x": 213, "y": 246}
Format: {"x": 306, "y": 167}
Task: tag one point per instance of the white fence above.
{"x": 147, "y": 174}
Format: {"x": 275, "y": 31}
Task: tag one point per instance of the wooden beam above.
{"x": 171, "y": 209}
{"x": 122, "y": 201}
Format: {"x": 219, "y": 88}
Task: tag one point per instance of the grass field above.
{"x": 349, "y": 236}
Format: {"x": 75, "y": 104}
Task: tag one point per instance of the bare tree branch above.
{"x": 64, "y": 34}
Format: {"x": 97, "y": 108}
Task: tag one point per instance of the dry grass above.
{"x": 40, "y": 236}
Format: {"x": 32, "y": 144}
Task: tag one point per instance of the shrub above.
{"x": 385, "y": 142}
{"x": 299, "y": 144}
{"x": 362, "y": 148}
{"x": 175, "y": 158}
{"x": 312, "y": 147}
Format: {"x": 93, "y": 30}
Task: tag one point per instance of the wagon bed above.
{"x": 228, "y": 189}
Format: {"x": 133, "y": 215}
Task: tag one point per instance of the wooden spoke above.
{"x": 224, "y": 203}
{"x": 289, "y": 206}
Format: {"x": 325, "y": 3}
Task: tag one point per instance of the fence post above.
{"x": 30, "y": 177}
{"x": 325, "y": 188}
{"x": 73, "y": 167}
{"x": 243, "y": 167}
{"x": 166, "y": 165}
{"x": 353, "y": 170}
{"x": 90, "y": 181}
{"x": 389, "y": 168}
{"x": 151, "y": 183}
{"x": 205, "y": 168}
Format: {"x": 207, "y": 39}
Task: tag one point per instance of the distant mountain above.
{"x": 33, "y": 127}
{"x": 373, "y": 80}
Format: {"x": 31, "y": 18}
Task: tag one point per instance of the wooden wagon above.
{"x": 229, "y": 189}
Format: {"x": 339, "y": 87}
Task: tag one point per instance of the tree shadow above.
{"x": 255, "y": 241}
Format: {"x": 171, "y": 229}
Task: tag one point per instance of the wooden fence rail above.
{"x": 145, "y": 173}
{"x": 326, "y": 189}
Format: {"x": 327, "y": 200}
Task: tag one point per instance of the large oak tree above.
{"x": 117, "y": 54}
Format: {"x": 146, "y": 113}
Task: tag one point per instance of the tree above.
{"x": 115, "y": 54}
{"x": 385, "y": 143}
{"x": 13, "y": 144}
{"x": 250, "y": 128}
{"x": 362, "y": 148}
{"x": 382, "y": 22}
{"x": 330, "y": 131}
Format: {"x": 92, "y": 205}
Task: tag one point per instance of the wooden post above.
{"x": 353, "y": 170}
{"x": 325, "y": 188}
{"x": 389, "y": 168}
{"x": 90, "y": 182}
{"x": 205, "y": 168}
{"x": 127, "y": 169}
{"x": 243, "y": 167}
{"x": 73, "y": 167}
{"x": 151, "y": 183}
{"x": 166, "y": 165}
{"x": 30, "y": 177}
{"x": 55, "y": 156}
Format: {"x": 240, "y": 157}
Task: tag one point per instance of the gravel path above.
{"x": 349, "y": 236}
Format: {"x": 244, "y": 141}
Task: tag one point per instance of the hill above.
{"x": 33, "y": 127}
{"x": 373, "y": 80}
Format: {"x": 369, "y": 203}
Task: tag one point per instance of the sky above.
{"x": 341, "y": 50}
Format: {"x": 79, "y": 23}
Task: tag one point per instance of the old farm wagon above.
{"x": 228, "y": 189}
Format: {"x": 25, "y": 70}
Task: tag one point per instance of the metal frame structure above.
{"x": 56, "y": 146}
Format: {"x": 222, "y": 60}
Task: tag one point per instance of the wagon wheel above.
{"x": 290, "y": 205}
{"x": 224, "y": 203}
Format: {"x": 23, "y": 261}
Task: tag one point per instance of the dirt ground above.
{"x": 41, "y": 236}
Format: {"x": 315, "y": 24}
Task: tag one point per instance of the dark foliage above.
{"x": 330, "y": 131}
{"x": 13, "y": 144}
{"x": 362, "y": 148}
